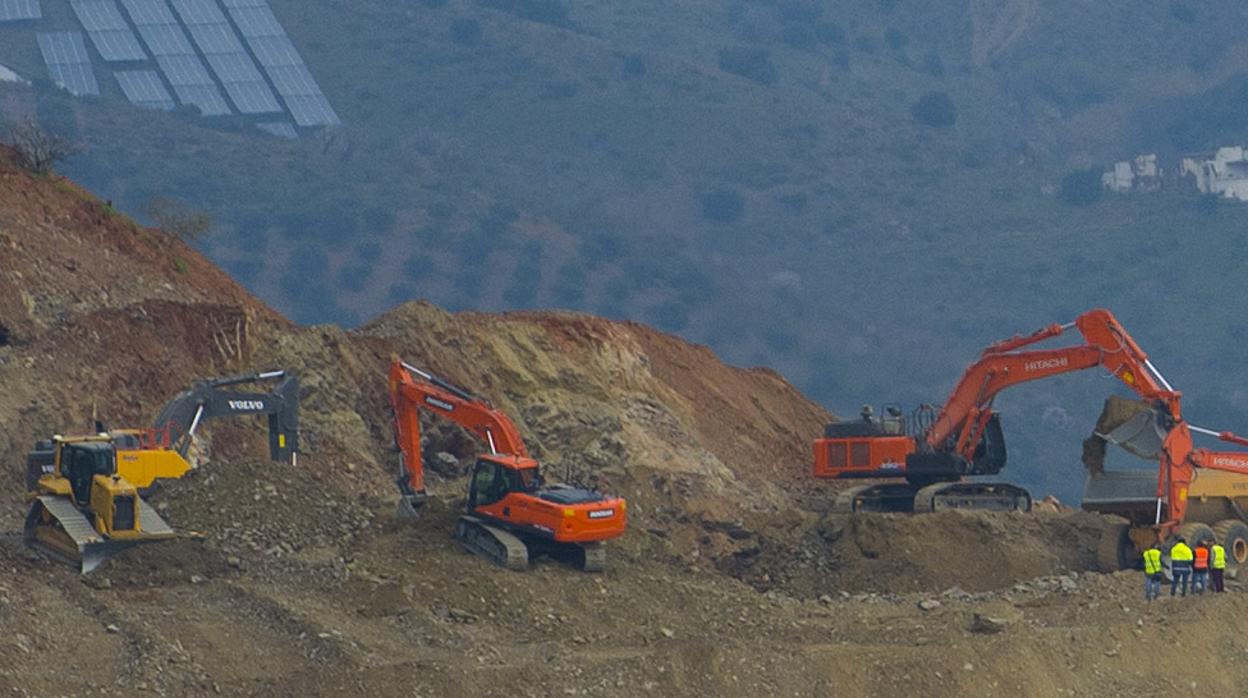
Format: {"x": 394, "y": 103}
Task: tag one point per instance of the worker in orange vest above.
{"x": 1200, "y": 567}
{"x": 1217, "y": 566}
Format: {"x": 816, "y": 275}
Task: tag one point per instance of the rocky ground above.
{"x": 733, "y": 578}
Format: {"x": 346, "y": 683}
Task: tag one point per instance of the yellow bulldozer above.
{"x": 82, "y": 511}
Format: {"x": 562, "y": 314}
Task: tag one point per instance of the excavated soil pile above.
{"x": 295, "y": 581}
{"x": 975, "y": 551}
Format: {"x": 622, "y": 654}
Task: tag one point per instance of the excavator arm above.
{"x": 962, "y": 421}
{"x": 218, "y": 397}
{"x": 411, "y": 390}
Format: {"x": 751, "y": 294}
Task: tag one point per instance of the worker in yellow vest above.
{"x": 1152, "y": 573}
{"x": 1217, "y": 566}
{"x": 1180, "y": 565}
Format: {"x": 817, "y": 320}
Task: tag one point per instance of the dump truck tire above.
{"x": 1115, "y": 551}
{"x": 1232, "y": 534}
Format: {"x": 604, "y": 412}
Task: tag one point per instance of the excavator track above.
{"x": 492, "y": 543}
{"x": 888, "y": 497}
{"x": 593, "y": 557}
{"x": 978, "y": 496}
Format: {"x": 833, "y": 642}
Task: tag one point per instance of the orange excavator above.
{"x": 511, "y": 515}
{"x": 931, "y": 452}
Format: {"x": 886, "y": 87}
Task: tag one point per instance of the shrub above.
{"x": 750, "y": 63}
{"x": 178, "y": 219}
{"x": 465, "y": 31}
{"x": 39, "y": 151}
{"x": 634, "y": 65}
{"x": 723, "y": 206}
{"x": 935, "y": 109}
{"x": 1081, "y": 187}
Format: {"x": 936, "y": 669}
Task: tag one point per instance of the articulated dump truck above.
{"x": 1196, "y": 493}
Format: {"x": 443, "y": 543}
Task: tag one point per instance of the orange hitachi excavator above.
{"x": 512, "y": 514}
{"x": 933, "y": 450}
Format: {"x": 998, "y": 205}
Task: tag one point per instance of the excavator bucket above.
{"x": 60, "y": 530}
{"x": 1139, "y": 435}
{"x": 1131, "y": 424}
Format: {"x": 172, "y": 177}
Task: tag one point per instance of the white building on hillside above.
{"x": 1140, "y": 175}
{"x": 1226, "y": 174}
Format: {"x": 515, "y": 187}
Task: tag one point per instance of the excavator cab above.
{"x": 494, "y": 477}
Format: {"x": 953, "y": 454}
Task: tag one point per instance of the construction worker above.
{"x": 1217, "y": 566}
{"x": 868, "y": 414}
{"x": 1152, "y": 573}
{"x": 1180, "y": 565}
{"x": 1200, "y": 567}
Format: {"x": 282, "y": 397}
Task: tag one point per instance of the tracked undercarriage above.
{"x": 908, "y": 498}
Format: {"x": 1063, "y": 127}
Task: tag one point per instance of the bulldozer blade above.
{"x": 56, "y": 528}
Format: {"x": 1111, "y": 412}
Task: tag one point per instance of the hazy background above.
{"x": 860, "y": 194}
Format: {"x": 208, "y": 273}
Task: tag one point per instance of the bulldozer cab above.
{"x": 495, "y": 477}
{"x": 80, "y": 462}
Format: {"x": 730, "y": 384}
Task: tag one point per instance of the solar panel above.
{"x": 144, "y": 88}
{"x": 198, "y": 12}
{"x": 234, "y": 67}
{"x": 149, "y": 12}
{"x": 281, "y": 129}
{"x": 98, "y": 15}
{"x": 63, "y": 47}
{"x": 117, "y": 45}
{"x": 77, "y": 78}
{"x": 252, "y": 97}
{"x": 256, "y": 21}
{"x": 274, "y": 50}
{"x": 15, "y": 10}
{"x": 184, "y": 70}
{"x": 293, "y": 80}
{"x": 230, "y": 4}
{"x": 206, "y": 97}
{"x": 215, "y": 38}
{"x": 312, "y": 110}
{"x": 165, "y": 40}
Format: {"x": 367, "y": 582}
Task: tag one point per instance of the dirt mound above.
{"x": 975, "y": 551}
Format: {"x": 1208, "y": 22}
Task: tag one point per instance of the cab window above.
{"x": 488, "y": 485}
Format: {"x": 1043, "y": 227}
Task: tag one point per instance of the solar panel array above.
{"x": 175, "y": 56}
{"x": 229, "y": 60}
{"x": 281, "y": 60}
{"x": 108, "y": 30}
{"x": 15, "y": 10}
{"x": 281, "y": 129}
{"x": 144, "y": 88}
{"x": 68, "y": 63}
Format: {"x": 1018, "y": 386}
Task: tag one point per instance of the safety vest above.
{"x": 1219, "y": 557}
{"x": 1202, "y": 558}
{"x": 1152, "y": 561}
{"x": 1180, "y": 553}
